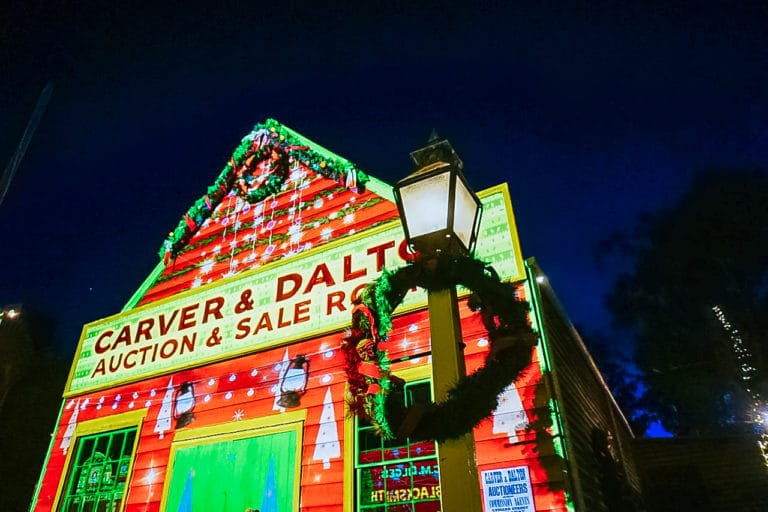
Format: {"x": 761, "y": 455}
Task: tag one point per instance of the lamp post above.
{"x": 441, "y": 216}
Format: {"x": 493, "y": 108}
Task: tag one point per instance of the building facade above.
{"x": 221, "y": 385}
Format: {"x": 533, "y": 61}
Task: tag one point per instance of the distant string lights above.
{"x": 748, "y": 373}
{"x": 743, "y": 356}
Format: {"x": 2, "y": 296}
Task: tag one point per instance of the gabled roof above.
{"x": 278, "y": 195}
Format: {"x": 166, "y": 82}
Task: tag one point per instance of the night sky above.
{"x": 592, "y": 113}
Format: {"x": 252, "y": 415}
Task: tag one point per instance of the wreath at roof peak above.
{"x": 280, "y": 149}
{"x": 375, "y": 394}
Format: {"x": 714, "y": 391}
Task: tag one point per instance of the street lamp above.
{"x": 441, "y": 217}
{"x": 440, "y": 213}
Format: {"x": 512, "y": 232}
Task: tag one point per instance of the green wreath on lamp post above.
{"x": 375, "y": 394}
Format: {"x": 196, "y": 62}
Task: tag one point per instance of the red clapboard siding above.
{"x": 237, "y": 235}
{"x": 221, "y": 389}
{"x": 247, "y": 384}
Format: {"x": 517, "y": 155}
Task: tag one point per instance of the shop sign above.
{"x": 295, "y": 298}
{"x": 507, "y": 490}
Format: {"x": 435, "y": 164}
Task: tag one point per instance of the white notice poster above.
{"x": 507, "y": 490}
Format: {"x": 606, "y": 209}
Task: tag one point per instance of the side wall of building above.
{"x": 599, "y": 439}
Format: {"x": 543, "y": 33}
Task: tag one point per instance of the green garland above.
{"x": 281, "y": 146}
{"x": 375, "y": 393}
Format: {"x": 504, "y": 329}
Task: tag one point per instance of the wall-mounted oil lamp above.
{"x": 293, "y": 382}
{"x": 184, "y": 404}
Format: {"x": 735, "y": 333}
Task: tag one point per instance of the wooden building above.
{"x": 719, "y": 473}
{"x": 221, "y": 386}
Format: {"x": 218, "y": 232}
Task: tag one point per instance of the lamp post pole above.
{"x": 459, "y": 485}
{"x": 441, "y": 216}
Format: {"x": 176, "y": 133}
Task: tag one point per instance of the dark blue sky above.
{"x": 592, "y": 113}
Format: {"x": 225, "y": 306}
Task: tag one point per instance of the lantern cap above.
{"x": 436, "y": 151}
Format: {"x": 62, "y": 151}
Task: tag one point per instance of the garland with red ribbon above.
{"x": 375, "y": 394}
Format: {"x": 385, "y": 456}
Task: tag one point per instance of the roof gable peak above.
{"x": 258, "y": 168}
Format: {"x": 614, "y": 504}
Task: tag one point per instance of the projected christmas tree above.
{"x": 185, "y": 505}
{"x": 327, "y": 442}
{"x": 509, "y": 416}
{"x": 269, "y": 500}
{"x": 67, "y": 439}
{"x": 166, "y": 411}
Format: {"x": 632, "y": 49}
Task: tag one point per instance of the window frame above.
{"x": 94, "y": 427}
{"x": 412, "y": 376}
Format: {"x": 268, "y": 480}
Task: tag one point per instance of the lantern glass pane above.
{"x": 425, "y": 204}
{"x": 185, "y": 402}
{"x": 464, "y": 213}
{"x": 294, "y": 379}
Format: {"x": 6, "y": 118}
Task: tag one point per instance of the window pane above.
{"x": 419, "y": 393}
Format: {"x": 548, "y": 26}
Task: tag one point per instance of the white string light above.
{"x": 748, "y": 372}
